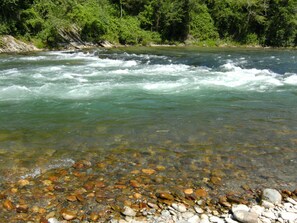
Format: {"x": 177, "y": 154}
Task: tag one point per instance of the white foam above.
{"x": 14, "y": 92}
{"x": 9, "y": 72}
{"x": 99, "y": 77}
{"x": 35, "y": 173}
{"x": 33, "y": 58}
{"x": 251, "y": 79}
{"x": 161, "y": 86}
{"x": 130, "y": 63}
{"x": 291, "y": 80}
{"x": 126, "y": 71}
{"x": 58, "y": 164}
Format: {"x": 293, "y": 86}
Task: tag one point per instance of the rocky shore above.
{"x": 85, "y": 192}
{"x": 8, "y": 44}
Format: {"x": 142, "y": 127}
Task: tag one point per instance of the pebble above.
{"x": 291, "y": 217}
{"x": 165, "y": 196}
{"x": 199, "y": 210}
{"x": 230, "y": 220}
{"x": 264, "y": 220}
{"x": 148, "y": 171}
{"x": 71, "y": 198}
{"x": 22, "y": 208}
{"x": 267, "y": 204}
{"x": 216, "y": 219}
{"x": 269, "y": 214}
{"x": 23, "y": 182}
{"x": 53, "y": 220}
{"x": 152, "y": 205}
{"x": 68, "y": 215}
{"x": 292, "y": 201}
{"x": 179, "y": 207}
{"x": 194, "y": 219}
{"x": 187, "y": 214}
{"x": 240, "y": 207}
{"x": 188, "y": 191}
{"x": 272, "y": 196}
{"x": 204, "y": 218}
{"x": 129, "y": 212}
{"x": 165, "y": 213}
{"x": 8, "y": 205}
{"x": 201, "y": 192}
{"x": 246, "y": 216}
{"x": 257, "y": 209}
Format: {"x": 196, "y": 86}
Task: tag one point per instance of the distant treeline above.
{"x": 257, "y": 22}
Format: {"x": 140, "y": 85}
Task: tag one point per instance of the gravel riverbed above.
{"x": 85, "y": 193}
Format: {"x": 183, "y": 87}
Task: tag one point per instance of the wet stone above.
{"x": 68, "y": 214}
{"x": 148, "y": 171}
{"x": 80, "y": 197}
{"x": 59, "y": 188}
{"x": 89, "y": 186}
{"x": 8, "y": 205}
{"x": 22, "y": 208}
{"x": 71, "y": 198}
{"x": 164, "y": 196}
{"x": 188, "y": 191}
{"x": 201, "y": 193}
{"x": 23, "y": 182}
{"x": 215, "y": 180}
{"x": 128, "y": 212}
{"x": 94, "y": 216}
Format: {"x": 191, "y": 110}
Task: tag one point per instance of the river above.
{"x": 199, "y": 110}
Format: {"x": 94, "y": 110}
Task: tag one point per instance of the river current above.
{"x": 204, "y": 109}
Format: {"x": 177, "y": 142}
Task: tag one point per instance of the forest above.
{"x": 132, "y": 22}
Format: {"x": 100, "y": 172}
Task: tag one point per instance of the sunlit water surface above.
{"x": 233, "y": 110}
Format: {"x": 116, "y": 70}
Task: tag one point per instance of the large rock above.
{"x": 272, "y": 196}
{"x": 9, "y": 44}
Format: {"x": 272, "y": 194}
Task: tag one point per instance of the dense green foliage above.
{"x": 265, "y": 22}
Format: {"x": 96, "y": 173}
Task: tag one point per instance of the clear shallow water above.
{"x": 232, "y": 107}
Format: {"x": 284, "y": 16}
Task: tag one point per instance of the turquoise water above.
{"x": 56, "y": 107}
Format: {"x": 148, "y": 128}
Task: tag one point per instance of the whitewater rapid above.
{"x": 81, "y": 75}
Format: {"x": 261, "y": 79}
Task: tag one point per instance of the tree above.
{"x": 169, "y": 18}
{"x": 282, "y": 25}
{"x": 201, "y": 25}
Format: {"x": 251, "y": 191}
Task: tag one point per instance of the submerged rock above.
{"x": 128, "y": 212}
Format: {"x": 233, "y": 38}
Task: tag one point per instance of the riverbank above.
{"x": 9, "y": 44}
{"x": 85, "y": 193}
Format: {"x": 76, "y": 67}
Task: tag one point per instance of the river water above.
{"x": 232, "y": 111}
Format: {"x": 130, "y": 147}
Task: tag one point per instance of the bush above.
{"x": 251, "y": 39}
{"x": 94, "y": 30}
